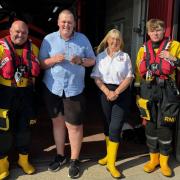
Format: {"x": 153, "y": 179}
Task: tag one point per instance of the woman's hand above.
{"x": 112, "y": 96}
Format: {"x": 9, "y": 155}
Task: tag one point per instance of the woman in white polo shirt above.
{"x": 113, "y": 75}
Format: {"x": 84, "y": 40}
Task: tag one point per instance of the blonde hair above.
{"x": 153, "y": 24}
{"x": 103, "y": 44}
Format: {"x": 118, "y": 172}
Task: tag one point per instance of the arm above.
{"x": 89, "y": 57}
{"x": 126, "y": 81}
{"x": 137, "y": 64}
{"x": 123, "y": 86}
{"x": 49, "y": 62}
{"x": 86, "y": 62}
{"x": 113, "y": 95}
{"x": 167, "y": 55}
{"x": 96, "y": 76}
{"x": 48, "y": 59}
{"x": 35, "y": 50}
{"x": 172, "y": 54}
{"x": 170, "y": 57}
{"x": 101, "y": 86}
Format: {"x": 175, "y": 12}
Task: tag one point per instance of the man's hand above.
{"x": 167, "y": 55}
{"x": 76, "y": 60}
{"x": 58, "y": 58}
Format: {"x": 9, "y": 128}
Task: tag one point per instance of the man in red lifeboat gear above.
{"x": 158, "y": 95}
{"x": 19, "y": 67}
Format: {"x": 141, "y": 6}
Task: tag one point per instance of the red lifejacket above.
{"x": 151, "y": 62}
{"x": 10, "y": 62}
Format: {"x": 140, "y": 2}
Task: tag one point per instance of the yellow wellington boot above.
{"x": 153, "y": 163}
{"x": 4, "y": 168}
{"x": 103, "y": 161}
{"x": 112, "y": 154}
{"x": 165, "y": 169}
{"x": 25, "y": 165}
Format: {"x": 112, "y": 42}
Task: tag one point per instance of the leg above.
{"x": 112, "y": 154}
{"x": 107, "y": 113}
{"x": 75, "y": 133}
{"x": 103, "y": 161}
{"x": 74, "y": 114}
{"x": 116, "y": 124}
{"x": 117, "y": 121}
{"x": 6, "y": 140}
{"x": 23, "y": 139}
{"x": 6, "y": 130}
{"x": 59, "y": 133}
{"x": 54, "y": 105}
{"x": 165, "y": 140}
{"x": 106, "y": 108}
{"x": 5, "y": 145}
{"x": 152, "y": 143}
{"x": 4, "y": 170}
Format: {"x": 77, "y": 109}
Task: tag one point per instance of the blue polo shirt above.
{"x": 65, "y": 76}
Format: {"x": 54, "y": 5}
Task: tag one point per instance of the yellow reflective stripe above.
{"x": 24, "y": 82}
{"x": 4, "y": 117}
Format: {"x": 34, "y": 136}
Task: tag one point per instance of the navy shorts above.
{"x": 71, "y": 107}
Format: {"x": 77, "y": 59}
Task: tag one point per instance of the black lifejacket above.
{"x": 10, "y": 62}
{"x": 152, "y": 62}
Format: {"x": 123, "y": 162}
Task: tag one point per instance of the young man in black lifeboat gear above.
{"x": 158, "y": 97}
{"x": 18, "y": 68}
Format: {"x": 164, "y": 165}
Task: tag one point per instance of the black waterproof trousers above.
{"x": 164, "y": 107}
{"x": 19, "y": 103}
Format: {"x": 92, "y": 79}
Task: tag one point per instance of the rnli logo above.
{"x": 170, "y": 119}
{"x": 121, "y": 57}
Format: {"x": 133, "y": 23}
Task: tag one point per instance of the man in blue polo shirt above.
{"x": 64, "y": 54}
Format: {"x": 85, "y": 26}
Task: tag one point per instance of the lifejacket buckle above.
{"x": 17, "y": 76}
{"x": 149, "y": 75}
{"x": 154, "y": 67}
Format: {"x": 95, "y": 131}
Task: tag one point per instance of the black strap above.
{"x": 12, "y": 51}
{"x": 29, "y": 58}
{"x": 147, "y": 58}
{"x": 160, "y": 63}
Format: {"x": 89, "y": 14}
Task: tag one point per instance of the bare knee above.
{"x": 74, "y": 128}
{"x": 58, "y": 121}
